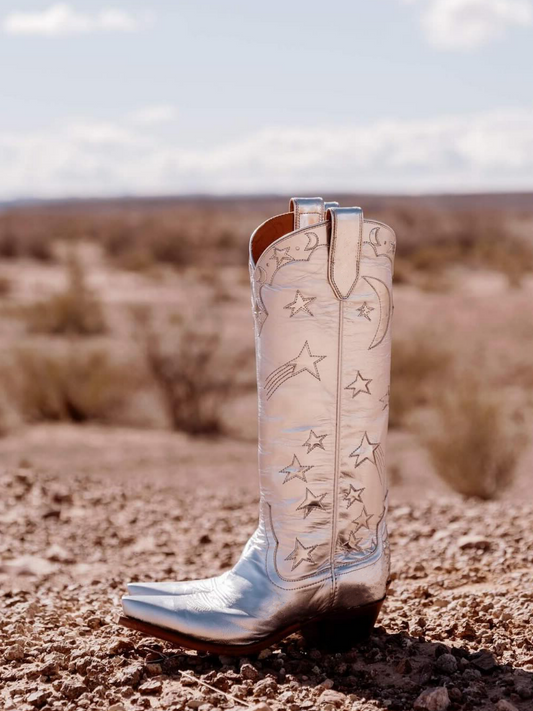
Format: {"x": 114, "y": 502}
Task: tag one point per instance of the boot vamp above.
{"x": 182, "y": 587}
{"x": 243, "y": 606}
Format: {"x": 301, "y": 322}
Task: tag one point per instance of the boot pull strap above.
{"x": 344, "y": 249}
{"x": 307, "y": 211}
{"x": 329, "y": 205}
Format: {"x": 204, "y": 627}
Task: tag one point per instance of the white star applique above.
{"x": 364, "y": 311}
{"x": 300, "y": 303}
{"x": 281, "y": 256}
{"x": 311, "y": 501}
{"x": 365, "y": 451}
{"x": 359, "y": 385}
{"x": 362, "y": 520}
{"x": 305, "y": 360}
{"x": 314, "y": 441}
{"x": 300, "y": 554}
{"x": 352, "y": 495}
{"x": 295, "y": 470}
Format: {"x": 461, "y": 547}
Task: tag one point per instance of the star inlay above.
{"x": 282, "y": 256}
{"x": 352, "y": 495}
{"x": 295, "y": 470}
{"x": 311, "y": 501}
{"x": 314, "y": 441}
{"x": 366, "y": 450}
{"x": 362, "y": 520}
{"x": 359, "y": 385}
{"x": 385, "y": 399}
{"x": 305, "y": 360}
{"x": 300, "y": 303}
{"x": 354, "y": 543}
{"x": 300, "y": 554}
{"x": 364, "y": 311}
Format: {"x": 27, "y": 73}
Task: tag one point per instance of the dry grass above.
{"x": 73, "y": 386}
{"x": 431, "y": 242}
{"x": 472, "y": 447}
{"x": 74, "y": 312}
{"x": 194, "y": 378}
{"x": 433, "y": 234}
{"x": 419, "y": 362}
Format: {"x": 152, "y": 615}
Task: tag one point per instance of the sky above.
{"x": 145, "y": 97}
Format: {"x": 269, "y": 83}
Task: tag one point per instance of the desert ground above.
{"x": 127, "y": 451}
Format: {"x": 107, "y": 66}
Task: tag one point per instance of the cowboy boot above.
{"x": 319, "y": 558}
{"x": 305, "y": 212}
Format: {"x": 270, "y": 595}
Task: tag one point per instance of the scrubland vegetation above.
{"x": 82, "y": 343}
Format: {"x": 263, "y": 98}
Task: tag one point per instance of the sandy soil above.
{"x": 455, "y": 632}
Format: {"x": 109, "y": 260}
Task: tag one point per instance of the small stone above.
{"x": 72, "y": 688}
{"x": 327, "y": 684}
{"x": 335, "y": 698}
{"x": 248, "y": 671}
{"x": 38, "y": 698}
{"x": 260, "y": 707}
{"x": 483, "y": 660}
{"x": 116, "y": 707}
{"x": 15, "y": 652}
{"x": 58, "y": 554}
{"x": 472, "y": 541}
{"x": 226, "y": 661}
{"x": 152, "y": 686}
{"x": 129, "y": 676}
{"x": 436, "y": 699}
{"x": 446, "y": 663}
{"x": 120, "y": 644}
{"x": 504, "y": 705}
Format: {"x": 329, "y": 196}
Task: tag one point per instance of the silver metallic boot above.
{"x": 319, "y": 559}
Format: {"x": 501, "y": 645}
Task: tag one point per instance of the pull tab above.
{"x": 307, "y": 211}
{"x": 329, "y": 205}
{"x": 344, "y": 249}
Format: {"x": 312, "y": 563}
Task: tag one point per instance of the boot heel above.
{"x": 342, "y": 631}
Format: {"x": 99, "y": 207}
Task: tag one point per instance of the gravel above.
{"x": 455, "y": 632}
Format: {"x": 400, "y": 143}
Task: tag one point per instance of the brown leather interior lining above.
{"x": 270, "y": 231}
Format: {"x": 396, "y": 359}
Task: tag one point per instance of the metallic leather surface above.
{"x": 323, "y": 365}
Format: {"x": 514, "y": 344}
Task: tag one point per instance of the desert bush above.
{"x": 22, "y": 236}
{"x": 419, "y": 361}
{"x": 472, "y": 447}
{"x": 72, "y": 386}
{"x": 74, "y": 311}
{"x": 194, "y": 379}
{"x": 432, "y": 241}
{"x": 5, "y": 286}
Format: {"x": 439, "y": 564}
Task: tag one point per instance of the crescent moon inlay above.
{"x": 374, "y": 233}
{"x": 385, "y": 309}
{"x": 312, "y": 241}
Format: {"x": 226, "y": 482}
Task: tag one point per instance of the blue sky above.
{"x": 113, "y": 97}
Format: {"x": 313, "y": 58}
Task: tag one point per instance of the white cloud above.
{"x": 62, "y": 19}
{"x": 469, "y": 24}
{"x": 490, "y": 151}
{"x": 152, "y": 115}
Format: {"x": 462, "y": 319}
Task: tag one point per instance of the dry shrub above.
{"x": 22, "y": 236}
{"x": 5, "y": 286}
{"x": 418, "y": 363}
{"x": 473, "y": 448}
{"x": 73, "y": 386}
{"x": 195, "y": 379}
{"x": 432, "y": 241}
{"x": 75, "y": 311}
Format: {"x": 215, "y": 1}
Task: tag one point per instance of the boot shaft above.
{"x": 322, "y": 303}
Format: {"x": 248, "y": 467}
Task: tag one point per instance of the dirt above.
{"x": 455, "y": 632}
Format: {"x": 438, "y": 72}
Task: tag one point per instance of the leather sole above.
{"x": 336, "y": 632}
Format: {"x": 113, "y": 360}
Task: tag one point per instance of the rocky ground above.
{"x": 455, "y": 633}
